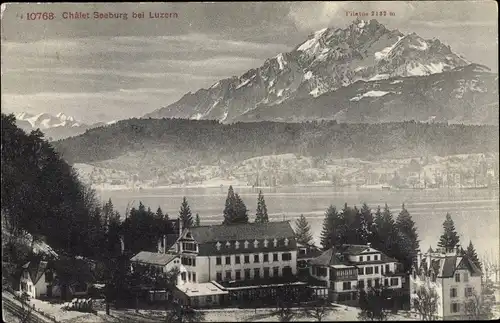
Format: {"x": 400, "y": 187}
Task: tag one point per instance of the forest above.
{"x": 187, "y": 142}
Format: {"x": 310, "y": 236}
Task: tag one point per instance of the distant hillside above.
{"x": 149, "y": 146}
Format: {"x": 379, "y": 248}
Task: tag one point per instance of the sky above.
{"x": 109, "y": 69}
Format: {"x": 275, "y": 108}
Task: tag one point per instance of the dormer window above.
{"x": 188, "y": 235}
{"x": 266, "y": 243}
{"x": 255, "y": 244}
{"x": 218, "y": 244}
{"x": 286, "y": 241}
{"x": 237, "y": 244}
{"x": 228, "y": 244}
{"x": 246, "y": 244}
{"x": 275, "y": 242}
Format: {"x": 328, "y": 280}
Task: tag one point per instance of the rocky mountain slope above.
{"x": 335, "y": 63}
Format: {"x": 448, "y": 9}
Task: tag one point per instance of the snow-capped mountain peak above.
{"x": 328, "y": 60}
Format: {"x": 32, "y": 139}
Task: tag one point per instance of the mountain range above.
{"x": 54, "y": 127}
{"x": 363, "y": 73}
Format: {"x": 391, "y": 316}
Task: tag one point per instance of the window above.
{"x": 468, "y": 291}
{"x": 361, "y": 284}
{"x": 189, "y": 276}
{"x": 387, "y": 268}
{"x": 275, "y": 242}
{"x": 193, "y": 262}
{"x": 256, "y": 273}
{"x": 266, "y": 243}
{"x": 320, "y": 271}
{"x": 287, "y": 271}
{"x": 457, "y": 277}
{"x": 369, "y": 282}
{"x": 183, "y": 276}
{"x": 369, "y": 270}
{"x": 266, "y": 257}
{"x": 376, "y": 269}
{"x": 367, "y": 258}
{"x": 246, "y": 244}
{"x": 218, "y": 245}
{"x": 466, "y": 277}
{"x": 375, "y": 257}
{"x": 218, "y": 261}
{"x": 247, "y": 259}
{"x": 228, "y": 274}
{"x": 453, "y": 292}
{"x": 266, "y": 272}
{"x": 256, "y": 259}
{"x": 286, "y": 241}
{"x": 455, "y": 307}
{"x": 209, "y": 299}
{"x": 236, "y": 259}
{"x": 386, "y": 282}
{"x": 286, "y": 256}
{"x": 218, "y": 276}
{"x": 275, "y": 257}
{"x": 238, "y": 274}
{"x": 237, "y": 245}
{"x": 360, "y": 258}
{"x": 247, "y": 273}
{"x": 377, "y": 283}
{"x": 228, "y": 244}
{"x": 394, "y": 282}
{"x": 194, "y": 277}
{"x": 276, "y": 271}
{"x": 346, "y": 286}
{"x": 361, "y": 271}
{"x": 256, "y": 244}
{"x": 228, "y": 260}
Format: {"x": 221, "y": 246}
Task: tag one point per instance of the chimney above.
{"x": 180, "y": 227}
{"x": 369, "y": 244}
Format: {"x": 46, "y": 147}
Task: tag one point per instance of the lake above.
{"x": 474, "y": 211}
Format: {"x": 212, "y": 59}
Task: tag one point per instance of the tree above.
{"x": 303, "y": 231}
{"x": 285, "y": 299}
{"x": 185, "y": 215}
{"x": 229, "y": 209}
{"x": 408, "y": 242}
{"x": 178, "y": 313}
{"x": 449, "y": 239}
{"x": 241, "y": 210}
{"x": 235, "y": 210}
{"x": 160, "y": 215}
{"x": 261, "y": 214}
{"x": 425, "y": 301}
{"x": 386, "y": 237}
{"x": 365, "y": 220}
{"x": 329, "y": 234}
{"x": 197, "y": 220}
{"x": 472, "y": 255}
{"x": 373, "y": 304}
{"x": 318, "y": 310}
{"x": 477, "y": 307}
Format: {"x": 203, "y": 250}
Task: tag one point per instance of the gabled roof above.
{"x": 153, "y": 258}
{"x": 246, "y": 231}
{"x": 328, "y": 258}
{"x": 35, "y": 270}
{"x": 445, "y": 266}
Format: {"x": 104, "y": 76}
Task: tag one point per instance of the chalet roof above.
{"x": 153, "y": 258}
{"x": 444, "y": 265}
{"x": 35, "y": 269}
{"x": 328, "y": 258}
{"x": 245, "y": 231}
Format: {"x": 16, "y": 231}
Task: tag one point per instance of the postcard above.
{"x": 246, "y": 161}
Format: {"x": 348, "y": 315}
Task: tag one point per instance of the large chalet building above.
{"x": 243, "y": 263}
{"x": 452, "y": 275}
{"x": 345, "y": 269}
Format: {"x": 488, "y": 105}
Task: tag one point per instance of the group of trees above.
{"x": 395, "y": 238}
{"x": 236, "y": 212}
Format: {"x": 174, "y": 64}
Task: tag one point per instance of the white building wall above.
{"x": 208, "y": 265}
{"x": 449, "y": 283}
